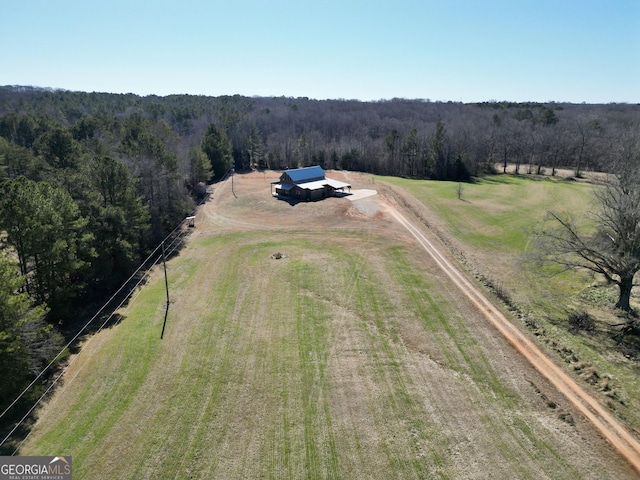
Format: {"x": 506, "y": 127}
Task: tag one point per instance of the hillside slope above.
{"x": 351, "y": 356}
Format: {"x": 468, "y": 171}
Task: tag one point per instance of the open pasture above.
{"x": 492, "y": 225}
{"x": 350, "y": 357}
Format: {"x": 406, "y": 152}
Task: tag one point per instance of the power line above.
{"x": 74, "y": 338}
{"x": 69, "y": 364}
{"x": 100, "y": 310}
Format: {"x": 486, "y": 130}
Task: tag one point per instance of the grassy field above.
{"x": 351, "y": 357}
{"x": 493, "y": 224}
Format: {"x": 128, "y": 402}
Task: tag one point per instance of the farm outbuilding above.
{"x": 308, "y": 183}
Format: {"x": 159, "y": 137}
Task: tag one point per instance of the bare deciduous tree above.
{"x": 613, "y": 249}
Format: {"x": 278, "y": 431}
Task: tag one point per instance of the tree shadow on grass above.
{"x": 22, "y": 416}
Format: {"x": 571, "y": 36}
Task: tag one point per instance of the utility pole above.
{"x": 232, "y": 191}
{"x": 166, "y": 286}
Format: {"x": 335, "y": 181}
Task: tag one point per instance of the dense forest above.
{"x": 90, "y": 183}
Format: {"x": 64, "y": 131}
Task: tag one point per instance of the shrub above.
{"x": 581, "y": 321}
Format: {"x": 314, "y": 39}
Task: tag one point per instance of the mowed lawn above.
{"x": 496, "y": 218}
{"x": 493, "y": 223}
{"x": 349, "y": 358}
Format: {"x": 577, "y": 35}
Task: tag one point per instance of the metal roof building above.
{"x": 309, "y": 183}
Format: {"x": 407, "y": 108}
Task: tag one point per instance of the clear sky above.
{"x": 460, "y": 50}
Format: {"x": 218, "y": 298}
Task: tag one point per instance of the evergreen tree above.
{"x": 117, "y": 219}
{"x": 44, "y": 226}
{"x": 199, "y": 167}
{"x": 17, "y": 161}
{"x": 58, "y": 148}
{"x": 217, "y": 146}
{"x": 25, "y": 342}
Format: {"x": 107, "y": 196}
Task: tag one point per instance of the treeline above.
{"x": 83, "y": 201}
{"x": 91, "y": 182}
{"x": 412, "y": 138}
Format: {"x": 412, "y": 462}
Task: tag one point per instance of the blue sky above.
{"x": 460, "y": 50}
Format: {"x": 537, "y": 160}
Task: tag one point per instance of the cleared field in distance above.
{"x": 351, "y": 357}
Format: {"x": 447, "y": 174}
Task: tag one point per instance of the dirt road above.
{"x": 613, "y": 431}
{"x": 368, "y": 203}
{"x": 353, "y": 356}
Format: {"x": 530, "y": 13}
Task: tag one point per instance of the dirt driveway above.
{"x": 369, "y": 203}
{"x": 626, "y": 444}
{"x": 362, "y": 352}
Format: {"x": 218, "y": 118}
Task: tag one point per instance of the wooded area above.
{"x": 90, "y": 183}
